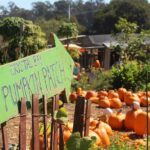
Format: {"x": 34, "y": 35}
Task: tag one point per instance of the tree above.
{"x": 69, "y": 30}
{"x": 134, "y": 11}
{"x": 132, "y": 45}
{"x": 48, "y": 26}
{"x": 23, "y": 37}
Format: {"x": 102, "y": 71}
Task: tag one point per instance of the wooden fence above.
{"x": 81, "y": 123}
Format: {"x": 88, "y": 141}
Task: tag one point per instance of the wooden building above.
{"x": 97, "y": 47}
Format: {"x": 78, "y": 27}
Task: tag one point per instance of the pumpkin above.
{"x": 130, "y": 118}
{"x": 90, "y": 94}
{"x": 112, "y": 94}
{"x": 94, "y": 99}
{"x": 140, "y": 94}
{"x": 83, "y": 93}
{"x": 103, "y": 136}
{"x": 130, "y": 97}
{"x": 143, "y": 100}
{"x": 93, "y": 123}
{"x": 98, "y": 139}
{"x": 73, "y": 97}
{"x": 79, "y": 91}
{"x": 106, "y": 126}
{"x": 41, "y": 142}
{"x": 121, "y": 92}
{"x": 116, "y": 120}
{"x": 140, "y": 125}
{"x": 115, "y": 103}
{"x": 105, "y": 103}
{"x": 102, "y": 93}
{"x": 67, "y": 134}
{"x": 96, "y": 64}
{"x": 69, "y": 125}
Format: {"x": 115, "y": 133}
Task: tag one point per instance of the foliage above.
{"x": 61, "y": 115}
{"x": 132, "y": 46}
{"x": 23, "y": 37}
{"x": 95, "y": 15}
{"x": 134, "y": 11}
{"x": 48, "y": 26}
{"x": 41, "y": 129}
{"x": 130, "y": 76}
{"x": 95, "y": 79}
{"x": 75, "y": 142}
{"x": 68, "y": 30}
{"x": 120, "y": 142}
{"x": 74, "y": 53}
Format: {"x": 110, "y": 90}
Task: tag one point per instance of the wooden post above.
{"x": 87, "y": 118}
{"x": 45, "y": 123}
{"x": 63, "y": 96}
{"x": 82, "y": 116}
{"x": 79, "y": 116}
{"x": 22, "y": 131}
{"x": 4, "y": 136}
{"x": 35, "y": 122}
{"x": 54, "y": 124}
{"x": 61, "y": 137}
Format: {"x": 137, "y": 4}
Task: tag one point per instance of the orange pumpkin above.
{"x": 121, "y": 92}
{"x": 73, "y": 97}
{"x": 130, "y": 118}
{"x": 115, "y": 103}
{"x": 41, "y": 142}
{"x": 130, "y": 97}
{"x": 103, "y": 136}
{"x": 94, "y": 99}
{"x": 90, "y": 94}
{"x": 98, "y": 139}
{"x": 93, "y": 123}
{"x": 106, "y": 126}
{"x": 116, "y": 121}
{"x": 96, "y": 64}
{"x": 102, "y": 93}
{"x": 140, "y": 125}
{"x": 70, "y": 126}
{"x": 105, "y": 103}
{"x": 112, "y": 94}
{"x": 83, "y": 93}
{"x": 67, "y": 134}
{"x": 143, "y": 100}
{"x": 79, "y": 91}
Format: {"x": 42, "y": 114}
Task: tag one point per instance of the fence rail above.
{"x": 81, "y": 123}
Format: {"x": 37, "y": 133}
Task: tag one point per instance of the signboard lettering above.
{"x": 47, "y": 72}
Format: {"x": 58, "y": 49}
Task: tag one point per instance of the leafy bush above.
{"x": 95, "y": 79}
{"x": 130, "y": 76}
{"x": 75, "y": 142}
{"x": 23, "y": 37}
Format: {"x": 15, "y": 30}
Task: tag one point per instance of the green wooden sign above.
{"x": 47, "y": 72}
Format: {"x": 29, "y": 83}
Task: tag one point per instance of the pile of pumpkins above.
{"x": 111, "y": 98}
{"x": 97, "y": 128}
{"x": 134, "y": 120}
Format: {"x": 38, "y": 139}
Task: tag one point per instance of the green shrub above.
{"x": 130, "y": 76}
{"x": 95, "y": 80}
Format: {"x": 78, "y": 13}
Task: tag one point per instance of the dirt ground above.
{"x": 13, "y": 124}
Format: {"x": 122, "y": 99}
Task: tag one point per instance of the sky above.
{"x": 27, "y": 3}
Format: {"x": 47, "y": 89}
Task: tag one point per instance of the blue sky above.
{"x": 26, "y": 3}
